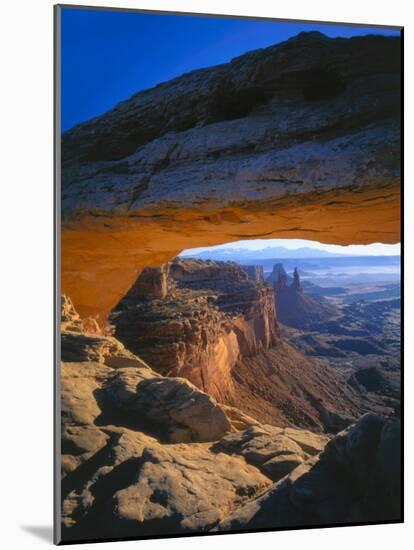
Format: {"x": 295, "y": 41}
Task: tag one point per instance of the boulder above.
{"x": 80, "y": 346}
{"x": 275, "y": 451}
{"x": 186, "y": 413}
{"x": 141, "y": 488}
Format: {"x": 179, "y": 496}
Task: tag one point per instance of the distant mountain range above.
{"x": 243, "y": 254}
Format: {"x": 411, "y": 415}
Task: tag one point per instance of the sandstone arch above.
{"x": 299, "y": 140}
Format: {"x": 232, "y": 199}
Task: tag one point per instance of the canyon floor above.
{"x": 361, "y": 339}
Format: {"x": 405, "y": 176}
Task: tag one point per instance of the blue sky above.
{"x": 109, "y": 55}
{"x": 375, "y": 249}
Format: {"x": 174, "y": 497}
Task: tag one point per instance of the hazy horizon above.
{"x": 374, "y": 249}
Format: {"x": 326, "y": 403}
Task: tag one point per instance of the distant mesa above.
{"x": 244, "y": 255}
{"x": 279, "y": 276}
{"x": 295, "y": 308}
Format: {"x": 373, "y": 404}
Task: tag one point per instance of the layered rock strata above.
{"x": 254, "y": 272}
{"x": 215, "y": 326}
{"x": 211, "y": 315}
{"x": 255, "y": 148}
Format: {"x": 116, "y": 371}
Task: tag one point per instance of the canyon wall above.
{"x": 254, "y": 272}
{"x": 298, "y": 140}
{"x": 196, "y": 319}
{"x": 214, "y": 323}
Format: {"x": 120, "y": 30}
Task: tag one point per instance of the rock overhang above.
{"x": 289, "y": 163}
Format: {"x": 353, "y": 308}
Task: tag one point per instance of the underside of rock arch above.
{"x": 299, "y": 140}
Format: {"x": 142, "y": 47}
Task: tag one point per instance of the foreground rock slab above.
{"x": 346, "y": 483}
{"x": 146, "y": 455}
{"x": 143, "y": 488}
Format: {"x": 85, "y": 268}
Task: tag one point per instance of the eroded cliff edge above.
{"x": 301, "y": 139}
{"x": 196, "y": 319}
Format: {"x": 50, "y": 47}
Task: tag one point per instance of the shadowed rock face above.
{"x": 258, "y": 147}
{"x": 352, "y": 465}
{"x": 254, "y": 272}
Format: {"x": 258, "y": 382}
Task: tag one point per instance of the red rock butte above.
{"x": 298, "y": 140}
